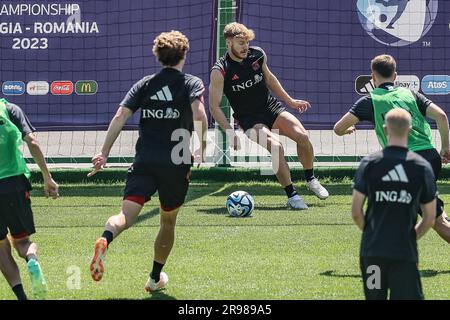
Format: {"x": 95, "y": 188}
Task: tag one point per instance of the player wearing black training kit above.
{"x": 246, "y": 90}
{"x": 169, "y": 103}
{"x": 243, "y": 75}
{"x": 165, "y": 102}
{"x": 397, "y": 182}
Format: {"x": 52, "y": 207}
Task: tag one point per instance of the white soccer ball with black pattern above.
{"x": 240, "y": 204}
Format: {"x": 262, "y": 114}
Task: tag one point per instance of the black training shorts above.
{"x": 267, "y": 117}
{"x": 16, "y": 215}
{"x": 171, "y": 183}
{"x": 399, "y": 279}
{"x": 434, "y": 158}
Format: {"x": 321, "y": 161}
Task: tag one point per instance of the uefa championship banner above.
{"x": 321, "y": 49}
{"x": 68, "y": 64}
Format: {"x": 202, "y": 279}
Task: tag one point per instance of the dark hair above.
{"x": 384, "y": 65}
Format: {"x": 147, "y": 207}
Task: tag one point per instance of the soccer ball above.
{"x": 240, "y": 204}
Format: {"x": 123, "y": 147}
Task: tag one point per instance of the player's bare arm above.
{"x": 201, "y": 128}
{"x": 215, "y": 96}
{"x": 114, "y": 129}
{"x": 51, "y": 188}
{"x": 346, "y": 125}
{"x": 357, "y": 208}
{"x": 437, "y": 114}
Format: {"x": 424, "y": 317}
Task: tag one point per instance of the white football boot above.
{"x": 315, "y": 186}
{"x": 152, "y": 286}
{"x": 297, "y": 203}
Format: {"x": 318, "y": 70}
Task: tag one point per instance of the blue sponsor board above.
{"x": 13, "y": 88}
{"x": 436, "y": 84}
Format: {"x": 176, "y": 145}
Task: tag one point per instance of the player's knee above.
{"x": 168, "y": 221}
{"x": 117, "y": 223}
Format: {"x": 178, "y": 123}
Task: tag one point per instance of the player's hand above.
{"x": 99, "y": 162}
{"x": 350, "y": 130}
{"x": 300, "y": 105}
{"x": 199, "y": 156}
{"x": 445, "y": 155}
{"x": 51, "y": 188}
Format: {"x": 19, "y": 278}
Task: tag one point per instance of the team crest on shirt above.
{"x": 256, "y": 65}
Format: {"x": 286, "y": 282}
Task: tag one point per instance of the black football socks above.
{"x": 156, "y": 272}
{"x": 108, "y": 236}
{"x": 18, "y": 291}
{"x": 290, "y": 191}
{"x": 309, "y": 175}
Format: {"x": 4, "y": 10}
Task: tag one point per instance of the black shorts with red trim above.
{"x": 16, "y": 215}
{"x": 171, "y": 183}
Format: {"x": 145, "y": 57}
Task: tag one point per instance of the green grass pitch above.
{"x": 276, "y": 254}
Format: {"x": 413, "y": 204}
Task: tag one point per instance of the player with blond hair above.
{"x": 243, "y": 75}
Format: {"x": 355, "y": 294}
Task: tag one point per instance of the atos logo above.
{"x": 63, "y": 88}
{"x": 397, "y": 22}
{"x": 13, "y": 88}
{"x": 438, "y": 84}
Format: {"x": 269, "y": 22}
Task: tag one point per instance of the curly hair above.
{"x": 170, "y": 47}
{"x": 238, "y": 30}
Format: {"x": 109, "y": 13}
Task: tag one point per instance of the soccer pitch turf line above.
{"x": 277, "y": 254}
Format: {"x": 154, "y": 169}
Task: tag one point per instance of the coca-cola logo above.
{"x": 62, "y": 88}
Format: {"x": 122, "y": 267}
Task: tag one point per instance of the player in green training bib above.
{"x": 16, "y": 216}
{"x": 386, "y": 97}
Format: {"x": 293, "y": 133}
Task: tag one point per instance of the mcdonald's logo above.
{"x": 86, "y": 87}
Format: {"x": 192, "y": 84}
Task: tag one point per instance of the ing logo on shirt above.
{"x": 248, "y": 84}
{"x": 393, "y": 196}
{"x": 167, "y": 113}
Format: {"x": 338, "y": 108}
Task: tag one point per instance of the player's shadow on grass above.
{"x": 160, "y": 295}
{"x": 147, "y": 215}
{"x": 275, "y": 190}
{"x": 192, "y": 195}
{"x": 223, "y": 210}
{"x": 331, "y": 273}
{"x": 427, "y": 273}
